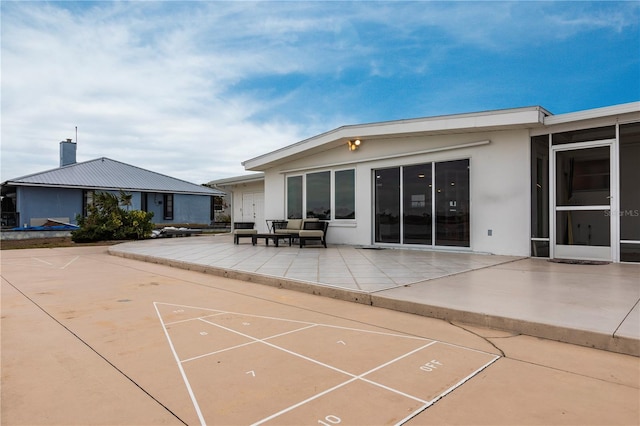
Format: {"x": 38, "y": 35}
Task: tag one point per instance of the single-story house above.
{"x": 518, "y": 182}
{"x": 64, "y": 192}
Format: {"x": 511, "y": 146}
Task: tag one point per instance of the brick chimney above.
{"x": 67, "y": 153}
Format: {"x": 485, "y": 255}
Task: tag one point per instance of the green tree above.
{"x": 106, "y": 220}
{"x": 125, "y": 199}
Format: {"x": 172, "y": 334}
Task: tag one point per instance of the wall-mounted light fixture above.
{"x": 354, "y": 144}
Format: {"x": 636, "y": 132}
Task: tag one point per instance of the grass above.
{"x": 49, "y": 243}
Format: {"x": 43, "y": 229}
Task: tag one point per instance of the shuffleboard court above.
{"x": 297, "y": 372}
{"x": 210, "y": 350}
{"x": 89, "y": 338}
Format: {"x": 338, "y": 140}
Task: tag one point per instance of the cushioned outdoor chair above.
{"x": 314, "y": 231}
{"x": 243, "y": 230}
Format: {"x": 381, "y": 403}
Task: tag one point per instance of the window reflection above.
{"x": 387, "y": 210}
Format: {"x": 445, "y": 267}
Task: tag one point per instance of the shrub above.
{"x": 223, "y": 218}
{"x": 106, "y": 220}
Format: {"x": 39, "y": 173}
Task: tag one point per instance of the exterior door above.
{"x": 253, "y": 210}
{"x": 407, "y": 201}
{"x": 582, "y": 202}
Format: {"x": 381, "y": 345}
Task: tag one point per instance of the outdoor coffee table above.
{"x": 274, "y": 237}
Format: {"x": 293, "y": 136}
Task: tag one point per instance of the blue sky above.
{"x": 192, "y": 89}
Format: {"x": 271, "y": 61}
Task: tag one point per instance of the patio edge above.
{"x": 252, "y": 277}
{"x": 591, "y": 339}
{"x": 622, "y": 345}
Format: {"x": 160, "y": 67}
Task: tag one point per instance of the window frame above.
{"x": 168, "y": 206}
{"x": 87, "y": 200}
{"x": 334, "y": 206}
{"x": 320, "y": 191}
{"x": 332, "y": 193}
{"x": 302, "y": 196}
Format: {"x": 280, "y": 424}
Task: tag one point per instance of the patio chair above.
{"x": 314, "y": 231}
{"x": 243, "y": 230}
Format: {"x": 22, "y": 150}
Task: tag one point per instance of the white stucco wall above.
{"x": 236, "y": 194}
{"x": 499, "y": 184}
{"x": 274, "y": 195}
{"x": 500, "y": 194}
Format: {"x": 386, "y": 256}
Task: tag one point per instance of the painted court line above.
{"x": 301, "y": 403}
{"x": 194, "y": 319}
{"x": 244, "y": 344}
{"x": 70, "y": 262}
{"x": 182, "y": 373}
{"x": 281, "y": 349}
{"x": 217, "y": 352}
{"x": 381, "y": 333}
{"x": 353, "y": 379}
{"x": 43, "y": 261}
{"x": 308, "y": 325}
{"x": 218, "y": 312}
{"x": 451, "y": 389}
{"x": 233, "y": 313}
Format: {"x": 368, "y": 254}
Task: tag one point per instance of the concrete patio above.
{"x": 589, "y": 305}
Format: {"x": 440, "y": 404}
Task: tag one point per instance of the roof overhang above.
{"x": 13, "y": 184}
{"x": 592, "y": 114}
{"x": 527, "y": 117}
{"x": 237, "y": 180}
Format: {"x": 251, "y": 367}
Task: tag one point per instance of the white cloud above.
{"x": 162, "y": 85}
{"x": 148, "y": 102}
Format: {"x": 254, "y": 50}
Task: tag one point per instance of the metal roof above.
{"x": 106, "y": 174}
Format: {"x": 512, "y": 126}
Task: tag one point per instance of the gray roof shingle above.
{"x": 104, "y": 173}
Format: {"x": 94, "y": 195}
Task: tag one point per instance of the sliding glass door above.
{"x": 405, "y": 211}
{"x": 417, "y": 204}
{"x": 387, "y": 212}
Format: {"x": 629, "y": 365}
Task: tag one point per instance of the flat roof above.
{"x": 253, "y": 177}
{"x": 525, "y": 117}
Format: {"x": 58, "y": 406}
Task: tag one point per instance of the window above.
{"x": 87, "y": 200}
{"x": 584, "y": 135}
{"x": 319, "y": 195}
{"x": 326, "y": 195}
{"x": 144, "y": 206}
{"x": 168, "y": 206}
{"x": 345, "y": 194}
{"x": 452, "y": 203}
{"x": 540, "y": 196}
{"x": 416, "y": 213}
{"x": 629, "y": 194}
{"x": 294, "y": 197}
{"x": 387, "y": 214}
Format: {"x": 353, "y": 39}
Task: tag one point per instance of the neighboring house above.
{"x": 517, "y": 182}
{"x": 64, "y": 192}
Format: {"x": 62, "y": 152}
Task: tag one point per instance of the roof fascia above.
{"x": 16, "y": 181}
{"x": 236, "y": 180}
{"x": 517, "y": 117}
{"x": 591, "y": 114}
{"x": 107, "y": 188}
